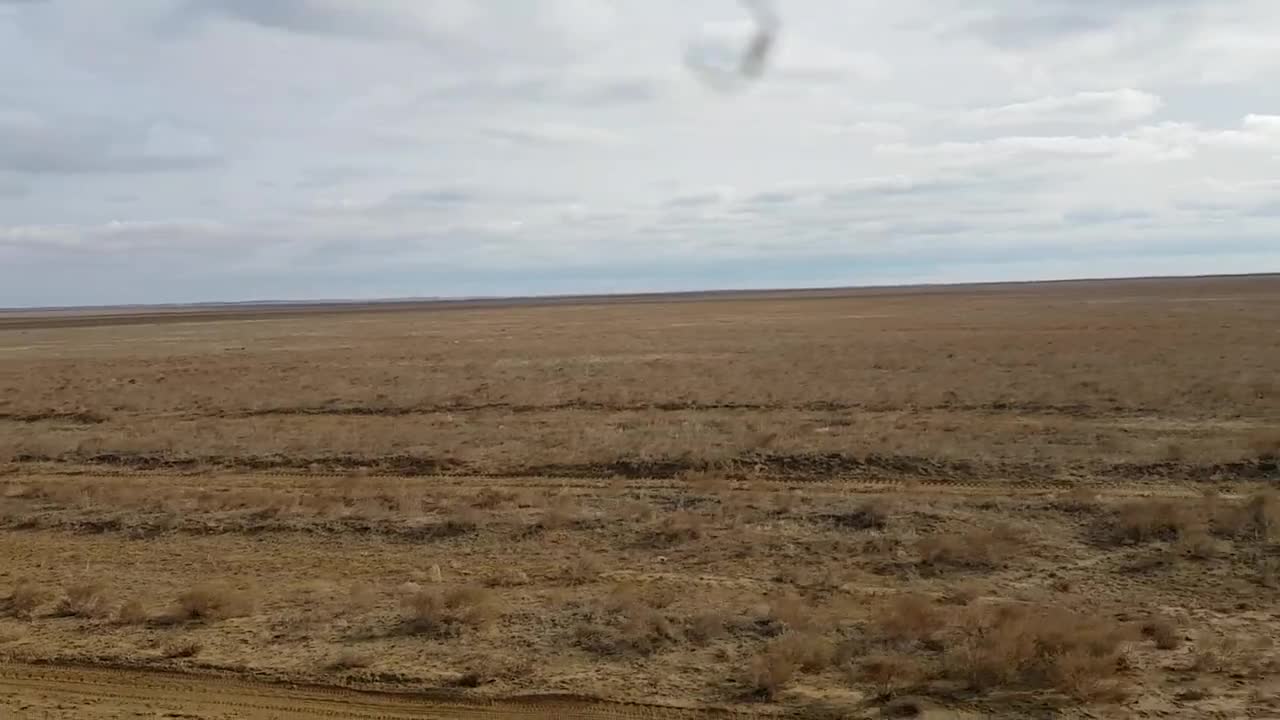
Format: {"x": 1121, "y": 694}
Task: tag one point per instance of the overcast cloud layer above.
{"x": 191, "y": 150}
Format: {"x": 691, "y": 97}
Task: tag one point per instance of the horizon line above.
{"x": 635, "y": 295}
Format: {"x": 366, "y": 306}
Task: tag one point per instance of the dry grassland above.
{"x": 1052, "y": 500}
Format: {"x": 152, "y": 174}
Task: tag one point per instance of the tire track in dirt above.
{"x": 94, "y": 691}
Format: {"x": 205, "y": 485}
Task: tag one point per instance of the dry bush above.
{"x": 637, "y": 629}
{"x": 493, "y": 498}
{"x": 1079, "y": 499}
{"x": 812, "y": 652}
{"x": 507, "y": 577}
{"x": 1220, "y": 654}
{"x": 446, "y": 612}
{"x": 646, "y": 631}
{"x": 213, "y": 601}
{"x": 981, "y": 548}
{"x": 631, "y": 620}
{"x": 86, "y": 600}
{"x": 770, "y": 671}
{"x": 870, "y": 515}
{"x": 677, "y": 527}
{"x": 349, "y": 659}
{"x": 485, "y": 669}
{"x": 1196, "y": 542}
{"x": 908, "y": 620}
{"x": 1258, "y": 518}
{"x": 1020, "y": 646}
{"x": 181, "y": 649}
{"x": 586, "y": 569}
{"x": 788, "y": 611}
{"x": 132, "y": 612}
{"x": 1266, "y": 570}
{"x": 25, "y": 600}
{"x": 1163, "y": 632}
{"x": 706, "y": 627}
{"x": 559, "y": 512}
{"x": 461, "y": 520}
{"x": 889, "y": 674}
{"x": 1151, "y": 519}
{"x": 628, "y": 593}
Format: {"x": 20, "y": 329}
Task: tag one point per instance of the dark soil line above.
{"x": 775, "y": 465}
{"x": 80, "y": 418}
{"x": 1072, "y": 410}
{"x": 146, "y": 527}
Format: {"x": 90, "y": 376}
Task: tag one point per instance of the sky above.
{"x": 157, "y": 151}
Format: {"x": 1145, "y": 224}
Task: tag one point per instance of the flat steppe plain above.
{"x": 1032, "y": 500}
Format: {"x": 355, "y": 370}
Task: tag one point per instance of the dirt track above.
{"x": 29, "y": 691}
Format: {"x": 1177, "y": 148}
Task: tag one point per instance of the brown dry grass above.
{"x": 213, "y": 601}
{"x": 26, "y": 599}
{"x": 179, "y": 649}
{"x": 447, "y": 612}
{"x": 87, "y": 600}
{"x": 687, "y": 500}
{"x": 1012, "y": 645}
{"x": 350, "y": 659}
{"x": 980, "y": 548}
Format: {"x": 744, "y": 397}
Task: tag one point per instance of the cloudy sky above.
{"x": 195, "y": 150}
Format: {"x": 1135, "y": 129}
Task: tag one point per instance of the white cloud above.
{"x": 1087, "y": 108}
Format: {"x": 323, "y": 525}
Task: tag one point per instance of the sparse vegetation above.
{"x": 213, "y": 601}
{"x": 350, "y": 659}
{"x": 448, "y": 611}
{"x": 862, "y": 504}
{"x": 981, "y": 548}
{"x": 178, "y": 649}
{"x": 26, "y": 599}
{"x": 132, "y": 612}
{"x": 86, "y": 600}
{"x": 1013, "y": 645}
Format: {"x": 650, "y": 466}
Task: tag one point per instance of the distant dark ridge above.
{"x": 87, "y": 316}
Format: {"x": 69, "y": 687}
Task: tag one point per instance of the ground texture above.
{"x": 1053, "y": 500}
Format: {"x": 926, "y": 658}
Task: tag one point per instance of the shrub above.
{"x": 1021, "y": 646}
{"x": 788, "y": 611}
{"x": 1146, "y": 520}
{"x": 1257, "y": 518}
{"x": 976, "y": 549}
{"x": 1163, "y": 632}
{"x": 810, "y": 651}
{"x": 770, "y": 671}
{"x": 586, "y": 569}
{"x": 911, "y": 619}
{"x": 25, "y": 599}
{"x": 890, "y": 673}
{"x": 213, "y": 601}
{"x": 705, "y": 627}
{"x": 348, "y": 659}
{"x": 132, "y": 612}
{"x": 870, "y": 515}
{"x": 679, "y": 526}
{"x": 85, "y": 600}
{"x": 181, "y": 649}
{"x": 446, "y": 612}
